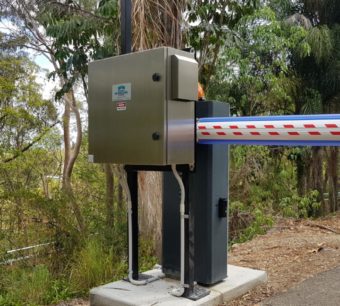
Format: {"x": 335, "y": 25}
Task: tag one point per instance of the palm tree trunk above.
{"x": 155, "y": 23}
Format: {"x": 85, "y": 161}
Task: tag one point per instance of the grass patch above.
{"x": 30, "y": 287}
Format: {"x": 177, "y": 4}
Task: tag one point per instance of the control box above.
{"x": 141, "y": 108}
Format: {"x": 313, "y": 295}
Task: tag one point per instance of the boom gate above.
{"x": 143, "y": 114}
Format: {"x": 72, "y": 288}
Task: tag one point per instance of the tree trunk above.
{"x": 150, "y": 198}
{"x": 317, "y": 176}
{"x": 71, "y": 153}
{"x": 300, "y": 176}
{"x": 46, "y": 189}
{"x": 120, "y": 205}
{"x": 332, "y": 178}
{"x": 162, "y": 19}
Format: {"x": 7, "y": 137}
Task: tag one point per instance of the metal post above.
{"x": 125, "y": 19}
{"x": 132, "y": 180}
{"x": 189, "y": 241}
{"x": 132, "y": 176}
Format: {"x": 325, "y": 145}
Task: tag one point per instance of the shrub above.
{"x": 92, "y": 265}
{"x": 301, "y": 207}
{"x": 95, "y": 264}
{"x": 248, "y": 221}
{"x": 26, "y": 286}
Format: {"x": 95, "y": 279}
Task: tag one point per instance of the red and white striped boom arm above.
{"x": 314, "y": 130}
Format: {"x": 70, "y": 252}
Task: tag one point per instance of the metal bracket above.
{"x": 195, "y": 293}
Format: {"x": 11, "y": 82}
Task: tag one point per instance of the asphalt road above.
{"x": 321, "y": 290}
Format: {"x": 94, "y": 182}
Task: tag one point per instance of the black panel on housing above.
{"x": 208, "y": 194}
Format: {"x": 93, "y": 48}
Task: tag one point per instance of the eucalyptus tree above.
{"x": 25, "y": 117}
{"x": 26, "y": 120}
{"x": 68, "y": 34}
{"x": 82, "y": 31}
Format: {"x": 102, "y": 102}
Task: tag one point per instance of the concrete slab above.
{"x": 122, "y": 293}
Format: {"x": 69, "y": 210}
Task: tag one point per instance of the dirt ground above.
{"x": 292, "y": 251}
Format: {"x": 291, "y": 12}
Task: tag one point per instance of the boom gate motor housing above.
{"x": 207, "y": 199}
{"x": 142, "y": 113}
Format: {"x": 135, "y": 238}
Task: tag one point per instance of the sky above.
{"x": 47, "y": 86}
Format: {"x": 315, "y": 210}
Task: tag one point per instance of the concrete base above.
{"x": 122, "y": 293}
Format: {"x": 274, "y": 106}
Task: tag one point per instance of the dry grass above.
{"x": 290, "y": 253}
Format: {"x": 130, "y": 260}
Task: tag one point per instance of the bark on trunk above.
{"x": 71, "y": 153}
{"x": 121, "y": 211}
{"x": 317, "y": 175}
{"x": 150, "y": 198}
{"x": 162, "y": 19}
{"x": 332, "y": 178}
{"x": 300, "y": 177}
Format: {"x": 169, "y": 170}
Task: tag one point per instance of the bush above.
{"x": 301, "y": 207}
{"x": 95, "y": 264}
{"x": 92, "y": 265}
{"x": 247, "y": 221}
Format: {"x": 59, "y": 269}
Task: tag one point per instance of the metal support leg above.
{"x": 189, "y": 242}
{"x": 132, "y": 180}
{"x": 192, "y": 291}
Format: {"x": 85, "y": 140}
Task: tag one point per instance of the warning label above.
{"x": 121, "y": 106}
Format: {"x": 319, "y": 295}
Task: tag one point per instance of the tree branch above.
{"x": 78, "y": 9}
{"x": 28, "y": 146}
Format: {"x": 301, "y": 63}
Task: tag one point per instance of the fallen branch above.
{"x": 323, "y": 227}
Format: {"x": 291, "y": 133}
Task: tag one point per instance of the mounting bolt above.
{"x": 156, "y": 77}
{"x": 156, "y": 136}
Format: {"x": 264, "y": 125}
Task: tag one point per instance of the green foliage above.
{"x": 319, "y": 38}
{"x": 93, "y": 265}
{"x": 250, "y": 57}
{"x": 249, "y": 221}
{"x": 24, "y": 114}
{"x": 261, "y": 175}
{"x": 31, "y": 286}
{"x": 96, "y": 263}
{"x": 27, "y": 185}
{"x": 260, "y": 226}
{"x": 301, "y": 207}
{"x": 213, "y": 27}
{"x": 312, "y": 102}
{"x": 81, "y": 31}
{"x": 254, "y": 70}
{"x": 147, "y": 253}
{"x": 284, "y": 8}
{"x": 26, "y": 286}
